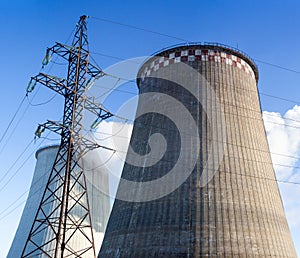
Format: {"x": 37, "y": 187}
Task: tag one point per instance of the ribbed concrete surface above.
{"x": 97, "y": 179}
{"x": 239, "y": 213}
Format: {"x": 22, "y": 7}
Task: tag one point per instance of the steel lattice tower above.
{"x": 62, "y": 225}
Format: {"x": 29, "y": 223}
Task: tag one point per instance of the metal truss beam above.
{"x": 63, "y": 216}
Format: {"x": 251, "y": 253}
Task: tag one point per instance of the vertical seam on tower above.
{"x": 242, "y": 158}
{"x": 248, "y": 170}
{"x": 235, "y": 149}
{"x": 229, "y": 137}
{"x": 265, "y": 184}
{"x": 221, "y": 238}
{"x": 216, "y": 68}
{"x": 261, "y": 183}
{"x": 225, "y": 174}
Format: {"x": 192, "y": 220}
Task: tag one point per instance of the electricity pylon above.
{"x": 62, "y": 226}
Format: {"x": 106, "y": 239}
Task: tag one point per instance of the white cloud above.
{"x": 115, "y": 135}
{"x": 284, "y": 138}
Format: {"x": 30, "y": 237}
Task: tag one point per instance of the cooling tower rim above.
{"x": 53, "y": 146}
{"x": 207, "y": 45}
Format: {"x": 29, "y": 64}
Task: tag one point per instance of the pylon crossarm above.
{"x": 90, "y": 145}
{"x": 55, "y": 83}
{"x": 95, "y": 71}
{"x": 97, "y": 109}
{"x": 57, "y": 127}
{"x": 64, "y": 52}
{"x": 50, "y": 125}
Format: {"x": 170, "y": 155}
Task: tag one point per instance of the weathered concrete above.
{"x": 239, "y": 213}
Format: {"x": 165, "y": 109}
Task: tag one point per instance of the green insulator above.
{"x": 47, "y": 58}
{"x": 89, "y": 83}
{"x": 31, "y": 85}
{"x": 96, "y": 123}
{"x": 39, "y": 131}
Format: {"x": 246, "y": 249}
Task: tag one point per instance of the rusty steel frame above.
{"x": 65, "y": 194}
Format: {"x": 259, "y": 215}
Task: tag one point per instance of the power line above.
{"x": 17, "y": 171}
{"x": 229, "y": 157}
{"x": 284, "y": 99}
{"x": 141, "y": 29}
{"x": 19, "y": 120}
{"x": 267, "y": 63}
{"x": 42, "y": 103}
{"x": 109, "y": 90}
{"x": 228, "y": 104}
{"x": 223, "y": 142}
{"x": 40, "y": 189}
{"x": 180, "y": 39}
{"x": 26, "y": 108}
{"x": 14, "y": 129}
{"x": 3, "y": 211}
{"x": 116, "y": 89}
{"x": 115, "y": 57}
{"x": 243, "y": 159}
{"x": 24, "y": 162}
{"x": 187, "y": 41}
{"x": 260, "y": 93}
{"x": 12, "y": 119}
{"x": 277, "y": 66}
{"x": 126, "y": 137}
{"x": 14, "y": 116}
{"x": 15, "y": 162}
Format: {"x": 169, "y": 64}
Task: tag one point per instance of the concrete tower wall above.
{"x": 45, "y": 159}
{"x": 99, "y": 202}
{"x": 239, "y": 213}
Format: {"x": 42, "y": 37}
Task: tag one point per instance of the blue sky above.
{"x": 266, "y": 30}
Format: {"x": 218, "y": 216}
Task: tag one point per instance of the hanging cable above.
{"x": 39, "y": 190}
{"x": 19, "y": 157}
{"x": 12, "y": 119}
{"x": 240, "y": 174}
{"x": 21, "y": 166}
{"x": 22, "y": 195}
{"x": 18, "y": 122}
{"x": 180, "y": 39}
{"x": 260, "y": 93}
{"x": 244, "y": 108}
{"x": 103, "y": 164}
{"x": 14, "y": 129}
{"x": 109, "y": 90}
{"x": 30, "y": 87}
{"x": 141, "y": 29}
{"x": 42, "y": 103}
{"x": 111, "y": 135}
{"x": 277, "y": 66}
{"x": 144, "y": 124}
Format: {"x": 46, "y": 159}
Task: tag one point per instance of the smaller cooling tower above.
{"x": 97, "y": 180}
{"x": 45, "y": 159}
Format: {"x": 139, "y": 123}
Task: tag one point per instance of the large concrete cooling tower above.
{"x": 226, "y": 204}
{"x": 97, "y": 183}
